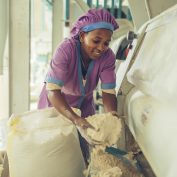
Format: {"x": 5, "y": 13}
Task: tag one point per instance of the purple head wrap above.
{"x": 94, "y": 19}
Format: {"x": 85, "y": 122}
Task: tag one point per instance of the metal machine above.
{"x": 149, "y": 92}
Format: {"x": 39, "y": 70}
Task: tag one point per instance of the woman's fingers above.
{"x": 83, "y": 123}
{"x": 86, "y": 124}
{"x": 90, "y": 126}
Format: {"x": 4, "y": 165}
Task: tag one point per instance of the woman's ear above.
{"x": 81, "y": 36}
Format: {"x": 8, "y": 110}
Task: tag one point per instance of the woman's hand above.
{"x": 82, "y": 123}
{"x": 82, "y": 126}
{"x": 114, "y": 113}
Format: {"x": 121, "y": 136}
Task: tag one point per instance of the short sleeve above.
{"x": 110, "y": 91}
{"x": 58, "y": 70}
{"x": 107, "y": 75}
{"x": 51, "y": 86}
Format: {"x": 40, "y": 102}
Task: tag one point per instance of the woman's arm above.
{"x": 58, "y": 101}
{"x": 109, "y": 102}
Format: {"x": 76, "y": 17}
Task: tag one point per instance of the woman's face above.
{"x": 95, "y": 43}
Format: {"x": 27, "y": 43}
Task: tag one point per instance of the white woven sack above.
{"x": 43, "y": 143}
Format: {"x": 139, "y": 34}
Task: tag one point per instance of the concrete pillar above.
{"x": 3, "y": 31}
{"x": 139, "y": 12}
{"x": 4, "y": 77}
{"x": 158, "y": 6}
{"x": 77, "y": 8}
{"x": 19, "y": 55}
{"x": 58, "y": 23}
{"x": 144, "y": 10}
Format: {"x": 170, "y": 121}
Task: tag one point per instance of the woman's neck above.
{"x": 85, "y": 58}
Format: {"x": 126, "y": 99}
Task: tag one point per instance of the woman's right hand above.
{"x": 82, "y": 123}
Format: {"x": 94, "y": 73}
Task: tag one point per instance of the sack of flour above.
{"x": 43, "y": 143}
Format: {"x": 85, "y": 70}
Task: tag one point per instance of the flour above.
{"x": 106, "y": 165}
{"x": 112, "y": 172}
{"x": 103, "y": 165}
{"x": 107, "y": 133}
{"x": 108, "y": 128}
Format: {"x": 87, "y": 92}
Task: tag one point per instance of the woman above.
{"x": 78, "y": 64}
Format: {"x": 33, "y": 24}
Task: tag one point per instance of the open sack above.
{"x": 43, "y": 143}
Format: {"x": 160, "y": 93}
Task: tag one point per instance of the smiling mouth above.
{"x": 98, "y": 53}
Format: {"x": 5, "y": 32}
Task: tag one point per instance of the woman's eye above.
{"x": 96, "y": 42}
{"x": 106, "y": 43}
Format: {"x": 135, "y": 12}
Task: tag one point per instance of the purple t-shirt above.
{"x": 65, "y": 71}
